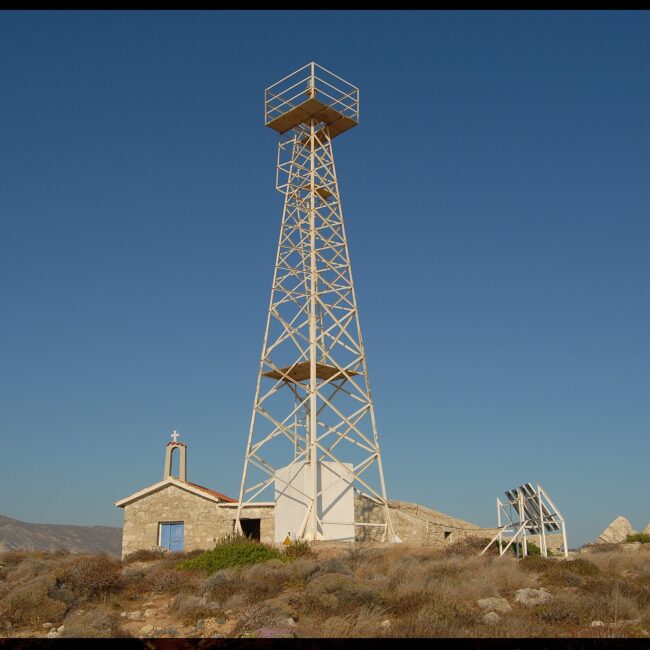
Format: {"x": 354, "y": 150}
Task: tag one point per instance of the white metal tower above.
{"x": 312, "y": 403}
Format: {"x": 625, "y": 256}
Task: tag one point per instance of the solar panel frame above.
{"x": 531, "y": 508}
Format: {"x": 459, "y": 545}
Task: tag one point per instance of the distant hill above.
{"x": 16, "y": 534}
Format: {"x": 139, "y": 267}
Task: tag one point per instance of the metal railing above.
{"x": 311, "y": 81}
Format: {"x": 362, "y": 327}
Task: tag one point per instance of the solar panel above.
{"x": 531, "y": 508}
{"x": 528, "y": 511}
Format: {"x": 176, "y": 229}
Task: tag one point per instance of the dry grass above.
{"x": 145, "y": 555}
{"x": 398, "y": 591}
{"x": 30, "y": 603}
{"x": 93, "y": 623}
{"x": 190, "y": 608}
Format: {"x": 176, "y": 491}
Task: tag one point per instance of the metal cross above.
{"x": 175, "y": 436}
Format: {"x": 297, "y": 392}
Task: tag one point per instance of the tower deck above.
{"x": 311, "y": 92}
{"x": 300, "y": 372}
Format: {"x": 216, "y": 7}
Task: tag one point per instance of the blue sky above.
{"x": 496, "y": 201}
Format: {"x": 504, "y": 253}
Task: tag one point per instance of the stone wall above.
{"x": 413, "y": 524}
{"x": 205, "y": 521}
{"x": 422, "y": 526}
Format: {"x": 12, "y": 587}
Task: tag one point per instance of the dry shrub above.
{"x": 191, "y": 608}
{"x": 134, "y": 578}
{"x": 32, "y": 566}
{"x": 561, "y": 610}
{"x": 93, "y": 623}
{"x": 436, "y": 619}
{"x": 332, "y": 591}
{"x": 364, "y": 623}
{"x": 304, "y": 568}
{"x": 235, "y": 602}
{"x": 333, "y": 565}
{"x": 604, "y": 602}
{"x": 30, "y": 603}
{"x": 92, "y": 575}
{"x": 354, "y": 556}
{"x": 560, "y": 572}
{"x": 404, "y": 596}
{"x": 12, "y": 558}
{"x": 145, "y": 555}
{"x": 298, "y": 548}
{"x": 262, "y": 581}
{"x": 253, "y": 617}
{"x": 469, "y": 546}
{"x": 287, "y": 604}
{"x": 371, "y": 565}
{"x": 605, "y": 547}
{"x": 618, "y": 562}
{"x": 165, "y": 580}
{"x": 482, "y": 577}
{"x": 222, "y": 584}
{"x": 413, "y": 582}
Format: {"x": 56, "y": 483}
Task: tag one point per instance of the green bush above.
{"x": 297, "y": 549}
{"x": 233, "y": 551}
{"x": 531, "y": 548}
{"x": 644, "y": 538}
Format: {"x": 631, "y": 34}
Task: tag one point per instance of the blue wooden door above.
{"x": 171, "y": 536}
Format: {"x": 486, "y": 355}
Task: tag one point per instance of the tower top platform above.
{"x": 311, "y": 92}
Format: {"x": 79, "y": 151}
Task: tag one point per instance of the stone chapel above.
{"x": 177, "y": 515}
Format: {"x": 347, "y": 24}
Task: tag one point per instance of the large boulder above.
{"x": 616, "y": 532}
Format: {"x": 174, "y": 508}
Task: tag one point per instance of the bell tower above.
{"x": 182, "y": 458}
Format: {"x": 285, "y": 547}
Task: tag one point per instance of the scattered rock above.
{"x": 124, "y": 614}
{"x": 135, "y": 616}
{"x": 498, "y": 605}
{"x": 53, "y": 634}
{"x": 597, "y": 624}
{"x": 148, "y": 613}
{"x": 47, "y": 626}
{"x": 531, "y": 597}
{"x": 229, "y": 612}
{"x": 200, "y": 624}
{"x": 616, "y": 532}
{"x": 60, "y": 628}
{"x": 385, "y": 625}
{"x": 146, "y": 629}
{"x": 491, "y": 618}
{"x": 169, "y": 631}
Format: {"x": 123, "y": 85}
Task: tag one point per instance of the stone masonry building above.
{"x": 178, "y": 515}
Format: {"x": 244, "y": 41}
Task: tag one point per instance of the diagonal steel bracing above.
{"x": 312, "y": 399}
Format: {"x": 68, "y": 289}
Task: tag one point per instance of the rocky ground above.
{"x": 369, "y": 592}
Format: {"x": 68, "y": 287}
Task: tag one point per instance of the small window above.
{"x": 172, "y": 536}
{"x": 447, "y": 535}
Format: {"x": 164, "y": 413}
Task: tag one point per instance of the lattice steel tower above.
{"x": 313, "y": 406}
